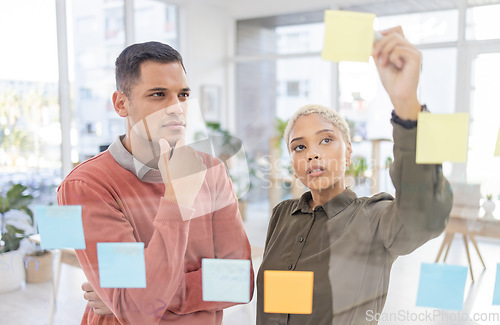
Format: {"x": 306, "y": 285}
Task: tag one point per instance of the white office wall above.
{"x": 204, "y": 46}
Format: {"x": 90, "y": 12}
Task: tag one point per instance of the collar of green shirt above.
{"x": 332, "y": 207}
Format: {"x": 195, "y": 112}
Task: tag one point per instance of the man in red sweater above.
{"x": 149, "y": 187}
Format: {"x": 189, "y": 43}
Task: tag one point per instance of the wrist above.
{"x": 408, "y": 109}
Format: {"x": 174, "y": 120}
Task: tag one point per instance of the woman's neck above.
{"x": 320, "y": 197}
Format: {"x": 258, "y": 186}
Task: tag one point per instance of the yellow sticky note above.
{"x": 348, "y": 36}
{"x": 442, "y": 137}
{"x": 497, "y": 148}
{"x": 288, "y": 292}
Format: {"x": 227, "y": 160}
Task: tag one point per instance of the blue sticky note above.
{"x": 121, "y": 265}
{"x": 442, "y": 286}
{"x": 496, "y": 292}
{"x": 225, "y": 280}
{"x": 60, "y": 226}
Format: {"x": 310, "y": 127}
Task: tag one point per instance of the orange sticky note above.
{"x": 497, "y": 147}
{"x": 288, "y": 292}
{"x": 442, "y": 137}
{"x": 348, "y": 36}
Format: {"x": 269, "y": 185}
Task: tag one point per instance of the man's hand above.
{"x": 94, "y": 301}
{"x": 398, "y": 63}
{"x": 183, "y": 172}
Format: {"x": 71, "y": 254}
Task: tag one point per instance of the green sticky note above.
{"x": 497, "y": 147}
{"x": 442, "y": 137}
{"x": 348, "y": 36}
{"x": 442, "y": 286}
{"x": 225, "y": 280}
{"x": 121, "y": 265}
{"x": 60, "y": 226}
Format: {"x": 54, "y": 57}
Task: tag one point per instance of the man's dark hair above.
{"x": 127, "y": 65}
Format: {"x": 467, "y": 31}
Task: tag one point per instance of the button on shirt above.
{"x": 350, "y": 243}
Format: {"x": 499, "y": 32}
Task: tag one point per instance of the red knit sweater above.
{"x": 118, "y": 207}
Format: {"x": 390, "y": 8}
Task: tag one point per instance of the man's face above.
{"x": 318, "y": 152}
{"x": 156, "y": 106}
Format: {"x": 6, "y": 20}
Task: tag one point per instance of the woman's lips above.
{"x": 315, "y": 172}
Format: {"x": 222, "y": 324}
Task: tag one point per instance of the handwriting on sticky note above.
{"x": 289, "y": 292}
{"x": 348, "y": 36}
{"x": 60, "y": 226}
{"x": 121, "y": 265}
{"x": 442, "y": 137}
{"x": 442, "y": 286}
{"x": 496, "y": 291}
{"x": 497, "y": 147}
{"x": 226, "y": 280}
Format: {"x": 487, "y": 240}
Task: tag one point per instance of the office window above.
{"x": 482, "y": 167}
{"x": 156, "y": 21}
{"x": 300, "y": 38}
{"x": 292, "y": 88}
{"x": 424, "y": 27}
{"x": 284, "y": 34}
{"x": 30, "y": 131}
{"x": 307, "y": 80}
{"x": 98, "y": 38}
{"x": 483, "y": 23}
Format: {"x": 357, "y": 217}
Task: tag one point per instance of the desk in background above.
{"x": 466, "y": 218}
{"x": 469, "y": 228}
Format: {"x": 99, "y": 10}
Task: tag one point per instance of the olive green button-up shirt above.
{"x": 350, "y": 243}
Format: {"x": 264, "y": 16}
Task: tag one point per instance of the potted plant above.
{"x": 355, "y": 173}
{"x": 228, "y": 149}
{"x": 16, "y": 225}
{"x": 11, "y": 258}
{"x": 489, "y": 207}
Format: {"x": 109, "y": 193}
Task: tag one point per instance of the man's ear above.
{"x": 120, "y": 103}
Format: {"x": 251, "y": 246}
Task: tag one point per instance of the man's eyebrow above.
{"x": 158, "y": 89}
{"x": 320, "y": 131}
{"x": 166, "y": 89}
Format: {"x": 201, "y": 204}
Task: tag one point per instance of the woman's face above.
{"x": 318, "y": 152}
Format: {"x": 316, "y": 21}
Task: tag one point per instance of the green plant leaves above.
{"x": 12, "y": 238}
{"x": 14, "y": 200}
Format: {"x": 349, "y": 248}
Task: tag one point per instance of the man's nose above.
{"x": 175, "y": 108}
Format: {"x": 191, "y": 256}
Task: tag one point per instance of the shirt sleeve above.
{"x": 164, "y": 255}
{"x": 230, "y": 241}
{"x": 423, "y": 200}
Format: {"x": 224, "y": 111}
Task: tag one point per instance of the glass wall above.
{"x": 483, "y": 23}
{"x": 30, "y": 131}
{"x": 281, "y": 71}
{"x": 98, "y": 37}
{"x": 156, "y": 20}
{"x": 424, "y": 27}
{"x": 482, "y": 167}
{"x": 292, "y": 45}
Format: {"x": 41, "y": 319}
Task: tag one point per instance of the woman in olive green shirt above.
{"x": 348, "y": 242}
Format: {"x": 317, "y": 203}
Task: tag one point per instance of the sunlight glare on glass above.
{"x": 31, "y": 40}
